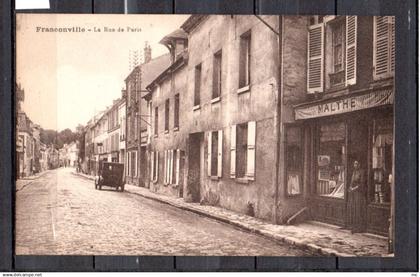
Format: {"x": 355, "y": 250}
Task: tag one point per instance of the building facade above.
{"x": 167, "y": 135}
{"x": 137, "y": 119}
{"x": 271, "y": 129}
{"x": 347, "y": 117}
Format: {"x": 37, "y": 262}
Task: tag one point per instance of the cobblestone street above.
{"x": 62, "y": 214}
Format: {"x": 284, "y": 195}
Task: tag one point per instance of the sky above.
{"x": 70, "y": 76}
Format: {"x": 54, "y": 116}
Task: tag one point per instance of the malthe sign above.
{"x": 349, "y": 104}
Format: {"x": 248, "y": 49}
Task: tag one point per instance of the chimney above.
{"x": 147, "y": 53}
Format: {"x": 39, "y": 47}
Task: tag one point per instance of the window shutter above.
{"x": 351, "y": 50}
{"x": 250, "y": 163}
{"x": 209, "y": 153}
{"x": 152, "y": 164}
{"x": 381, "y": 49}
{"x": 219, "y": 153}
{"x": 157, "y": 166}
{"x": 392, "y": 47}
{"x": 135, "y": 163}
{"x": 171, "y": 165}
{"x": 233, "y": 151}
{"x": 165, "y": 167}
{"x": 178, "y": 154}
{"x": 315, "y": 73}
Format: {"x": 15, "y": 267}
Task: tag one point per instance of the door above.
{"x": 143, "y": 166}
{"x": 192, "y": 192}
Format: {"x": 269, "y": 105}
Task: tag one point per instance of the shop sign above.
{"x": 349, "y": 104}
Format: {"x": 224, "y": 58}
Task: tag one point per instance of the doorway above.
{"x": 194, "y": 166}
{"x": 357, "y": 152}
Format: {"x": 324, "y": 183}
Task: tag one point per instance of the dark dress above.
{"x": 356, "y": 202}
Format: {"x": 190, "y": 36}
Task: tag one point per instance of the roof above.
{"x": 193, "y": 22}
{"x": 179, "y": 63}
{"x": 177, "y": 34}
{"x": 152, "y": 69}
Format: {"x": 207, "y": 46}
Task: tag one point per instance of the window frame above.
{"x": 245, "y": 48}
{"x": 217, "y": 74}
{"x": 167, "y": 116}
{"x": 197, "y": 84}
{"x": 156, "y": 125}
{"x": 176, "y": 111}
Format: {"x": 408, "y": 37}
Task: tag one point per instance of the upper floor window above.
{"x": 197, "y": 84}
{"x": 167, "y": 115}
{"x": 217, "y": 74}
{"x": 245, "y": 60}
{"x": 176, "y": 111}
{"x": 338, "y": 42}
{"x": 332, "y": 49}
{"x": 156, "y": 120}
{"x": 383, "y": 46}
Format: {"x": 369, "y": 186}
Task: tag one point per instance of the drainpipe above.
{"x": 278, "y": 121}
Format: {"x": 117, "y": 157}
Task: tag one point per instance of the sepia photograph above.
{"x": 205, "y": 135}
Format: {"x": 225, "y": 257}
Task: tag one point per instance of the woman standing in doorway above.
{"x": 357, "y": 201}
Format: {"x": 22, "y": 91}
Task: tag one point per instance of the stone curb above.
{"x": 33, "y": 177}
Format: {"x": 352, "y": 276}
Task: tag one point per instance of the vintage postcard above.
{"x": 237, "y": 135}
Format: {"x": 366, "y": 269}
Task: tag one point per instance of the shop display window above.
{"x": 331, "y": 160}
{"x": 294, "y": 161}
{"x": 382, "y": 163}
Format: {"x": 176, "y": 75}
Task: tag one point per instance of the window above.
{"x": 197, "y": 85}
{"x": 294, "y": 161}
{"x": 382, "y": 162}
{"x": 245, "y": 59}
{"x": 384, "y": 46}
{"x": 156, "y": 120}
{"x": 214, "y": 153}
{"x": 167, "y": 115}
{"x": 242, "y": 150}
{"x": 217, "y": 74}
{"x": 331, "y": 160}
{"x": 336, "y": 37}
{"x": 176, "y": 111}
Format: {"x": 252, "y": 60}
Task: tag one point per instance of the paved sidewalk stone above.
{"x": 316, "y": 237}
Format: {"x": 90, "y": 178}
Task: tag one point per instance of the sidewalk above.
{"x": 22, "y": 182}
{"x": 319, "y": 238}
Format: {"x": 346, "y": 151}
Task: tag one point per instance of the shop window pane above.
{"x": 382, "y": 161}
{"x": 331, "y": 160}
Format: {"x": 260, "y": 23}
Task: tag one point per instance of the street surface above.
{"x": 62, "y": 214}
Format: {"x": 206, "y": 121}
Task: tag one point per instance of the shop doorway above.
{"x": 357, "y": 161}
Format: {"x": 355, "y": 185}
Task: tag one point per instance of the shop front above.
{"x": 349, "y": 153}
